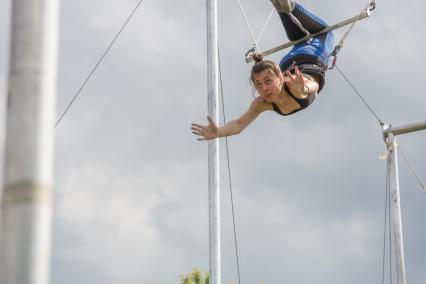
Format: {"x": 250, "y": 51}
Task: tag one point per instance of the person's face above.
{"x": 268, "y": 85}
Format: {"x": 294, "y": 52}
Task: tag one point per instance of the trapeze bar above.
{"x": 363, "y": 15}
{"x": 405, "y": 129}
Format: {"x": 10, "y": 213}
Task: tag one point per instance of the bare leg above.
{"x": 300, "y": 22}
{"x": 284, "y": 6}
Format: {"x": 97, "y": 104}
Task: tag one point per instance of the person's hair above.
{"x": 262, "y": 65}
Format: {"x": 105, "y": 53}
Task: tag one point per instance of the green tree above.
{"x": 195, "y": 277}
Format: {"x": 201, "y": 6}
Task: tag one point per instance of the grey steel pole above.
{"x": 213, "y": 145}
{"x": 395, "y": 207}
{"x": 26, "y": 197}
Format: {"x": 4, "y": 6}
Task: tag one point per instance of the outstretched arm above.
{"x": 236, "y": 126}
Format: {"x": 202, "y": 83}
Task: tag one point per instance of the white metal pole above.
{"x": 404, "y": 129}
{"x": 26, "y": 197}
{"x": 396, "y": 207}
{"x": 213, "y": 145}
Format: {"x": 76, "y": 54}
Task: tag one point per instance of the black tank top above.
{"x": 304, "y": 103}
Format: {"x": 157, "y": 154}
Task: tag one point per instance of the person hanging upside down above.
{"x": 290, "y": 86}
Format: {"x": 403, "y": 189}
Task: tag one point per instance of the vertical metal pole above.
{"x": 213, "y": 145}
{"x": 396, "y": 207}
{"x": 26, "y": 201}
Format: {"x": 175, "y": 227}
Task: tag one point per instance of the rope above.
{"x": 337, "y": 49}
{"x": 98, "y": 62}
{"x": 229, "y": 173}
{"x": 265, "y": 25}
{"x": 370, "y": 6}
{"x": 255, "y": 45}
{"x": 410, "y": 165}
{"x": 360, "y": 96}
{"x": 255, "y": 41}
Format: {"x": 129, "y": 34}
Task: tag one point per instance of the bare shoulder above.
{"x": 259, "y": 105}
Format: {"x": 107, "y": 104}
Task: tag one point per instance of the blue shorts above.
{"x": 314, "y": 51}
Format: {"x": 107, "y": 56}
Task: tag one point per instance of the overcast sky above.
{"x": 309, "y": 189}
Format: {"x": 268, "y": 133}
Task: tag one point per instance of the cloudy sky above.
{"x": 131, "y": 180}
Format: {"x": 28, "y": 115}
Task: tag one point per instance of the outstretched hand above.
{"x": 207, "y": 132}
{"x": 296, "y": 82}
